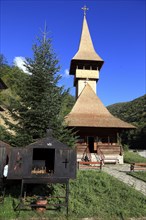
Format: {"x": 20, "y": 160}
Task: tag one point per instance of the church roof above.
{"x": 86, "y": 51}
{"x": 89, "y": 111}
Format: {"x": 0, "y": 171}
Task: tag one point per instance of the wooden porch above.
{"x": 108, "y": 153}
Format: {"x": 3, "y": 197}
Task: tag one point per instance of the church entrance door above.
{"x": 91, "y": 144}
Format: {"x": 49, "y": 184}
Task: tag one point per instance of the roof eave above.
{"x": 75, "y": 62}
{"x": 101, "y": 127}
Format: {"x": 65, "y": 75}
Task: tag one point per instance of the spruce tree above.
{"x": 40, "y": 103}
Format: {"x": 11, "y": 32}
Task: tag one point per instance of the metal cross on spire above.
{"x": 85, "y": 9}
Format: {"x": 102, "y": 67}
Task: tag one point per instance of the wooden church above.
{"x": 97, "y": 129}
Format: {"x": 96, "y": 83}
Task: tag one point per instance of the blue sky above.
{"x": 118, "y": 32}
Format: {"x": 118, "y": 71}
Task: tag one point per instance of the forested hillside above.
{"x": 133, "y": 112}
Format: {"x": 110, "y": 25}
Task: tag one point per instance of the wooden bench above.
{"x": 138, "y": 166}
{"x": 88, "y": 164}
{"x": 112, "y": 160}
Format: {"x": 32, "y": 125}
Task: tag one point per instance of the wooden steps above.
{"x": 111, "y": 152}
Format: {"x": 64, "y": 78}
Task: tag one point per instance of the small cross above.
{"x": 65, "y": 162}
{"x": 85, "y": 9}
{"x": 86, "y": 80}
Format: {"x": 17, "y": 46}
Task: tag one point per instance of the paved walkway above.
{"x": 119, "y": 172}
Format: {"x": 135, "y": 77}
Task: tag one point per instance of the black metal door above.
{"x": 65, "y": 163}
{"x": 16, "y": 163}
{"x": 27, "y": 162}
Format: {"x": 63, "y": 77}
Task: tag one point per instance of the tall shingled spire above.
{"x": 86, "y": 51}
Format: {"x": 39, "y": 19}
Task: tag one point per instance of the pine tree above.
{"x": 39, "y": 106}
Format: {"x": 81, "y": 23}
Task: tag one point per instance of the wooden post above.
{"x": 67, "y": 196}
{"x": 118, "y": 138}
{"x": 108, "y": 140}
{"x": 95, "y": 144}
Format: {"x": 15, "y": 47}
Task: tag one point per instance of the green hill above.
{"x": 133, "y": 112}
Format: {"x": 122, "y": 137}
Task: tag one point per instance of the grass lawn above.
{"x": 138, "y": 174}
{"x": 92, "y": 194}
{"x": 133, "y": 157}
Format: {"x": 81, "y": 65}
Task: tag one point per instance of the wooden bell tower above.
{"x": 86, "y": 63}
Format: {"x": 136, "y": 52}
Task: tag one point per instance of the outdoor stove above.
{"x": 47, "y": 158}
{"x": 46, "y": 161}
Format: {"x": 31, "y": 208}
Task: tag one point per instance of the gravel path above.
{"x": 119, "y": 172}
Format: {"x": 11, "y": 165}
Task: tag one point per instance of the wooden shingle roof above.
{"x": 89, "y": 111}
{"x": 86, "y": 51}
